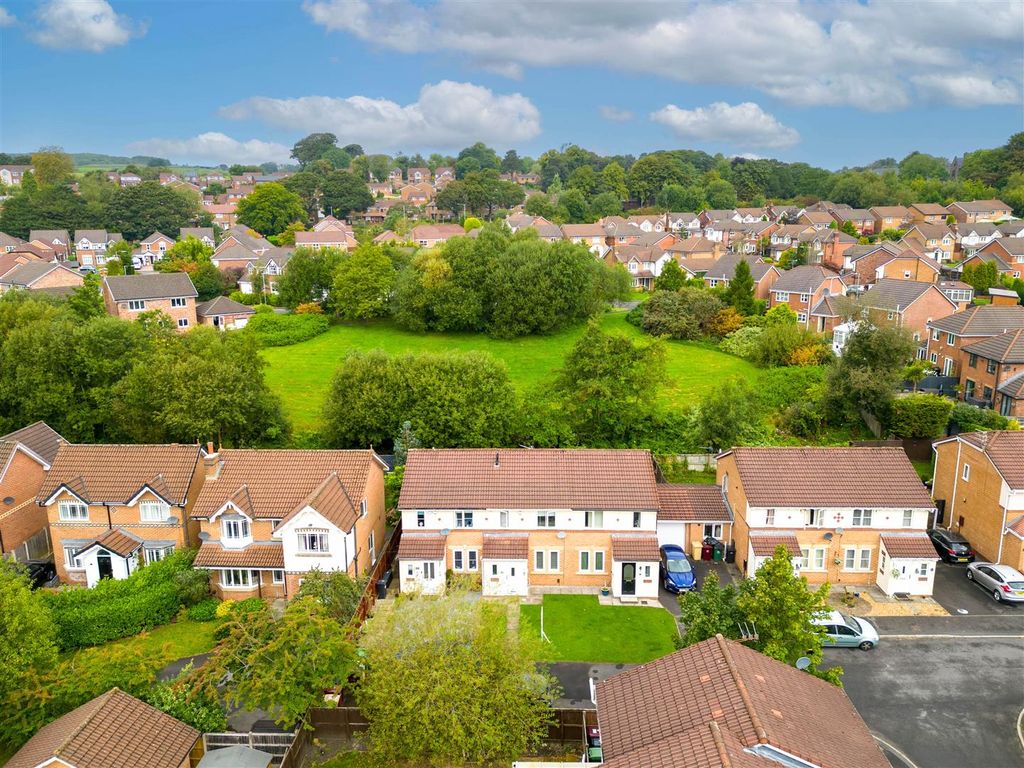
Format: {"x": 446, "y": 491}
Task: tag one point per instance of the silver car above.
{"x": 1004, "y": 583}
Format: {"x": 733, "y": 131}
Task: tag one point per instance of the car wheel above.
{"x": 867, "y": 645}
{"x": 997, "y": 595}
{"x": 970, "y": 575}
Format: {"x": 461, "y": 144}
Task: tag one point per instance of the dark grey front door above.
{"x": 106, "y": 568}
{"x": 629, "y": 578}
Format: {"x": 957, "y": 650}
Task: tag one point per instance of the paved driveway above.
{"x": 701, "y": 568}
{"x": 941, "y": 693}
{"x": 960, "y": 597}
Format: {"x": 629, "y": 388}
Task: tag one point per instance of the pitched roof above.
{"x": 913, "y": 545}
{"x": 528, "y": 478}
{"x": 222, "y": 305}
{"x": 506, "y": 546}
{"x": 26, "y": 274}
{"x": 421, "y": 546}
{"x": 583, "y": 230}
{"x": 827, "y": 307}
{"x": 1004, "y": 449}
{"x": 896, "y": 295}
{"x": 931, "y": 209}
{"x": 435, "y": 231}
{"x": 156, "y": 236}
{"x": 1014, "y": 387}
{"x": 764, "y": 543}
{"x": 806, "y": 278}
{"x": 693, "y": 245}
{"x": 692, "y": 503}
{"x": 49, "y": 235}
{"x": 280, "y": 483}
{"x": 155, "y": 285}
{"x": 832, "y": 477}
{"x": 1014, "y": 246}
{"x": 1005, "y": 348}
{"x": 118, "y": 541}
{"x": 113, "y": 730}
{"x": 889, "y": 211}
{"x": 725, "y": 267}
{"x": 39, "y": 438}
{"x": 234, "y": 252}
{"x": 981, "y": 206}
{"x": 116, "y": 473}
{"x": 635, "y": 546}
{"x": 709, "y": 705}
{"x": 197, "y": 232}
{"x": 982, "y": 320}
{"x": 260, "y": 555}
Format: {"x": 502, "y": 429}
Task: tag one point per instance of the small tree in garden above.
{"x": 709, "y": 611}
{"x": 740, "y": 293}
{"x": 672, "y": 277}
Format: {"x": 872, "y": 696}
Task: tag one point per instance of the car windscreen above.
{"x": 677, "y": 566}
{"x": 851, "y": 622}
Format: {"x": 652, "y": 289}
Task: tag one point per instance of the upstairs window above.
{"x": 73, "y": 510}
{"x": 314, "y": 542}
{"x": 463, "y": 519}
{"x": 153, "y": 511}
{"x": 235, "y": 529}
{"x": 178, "y": 302}
{"x": 862, "y": 518}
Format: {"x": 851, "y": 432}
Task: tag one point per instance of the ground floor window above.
{"x": 234, "y": 577}
{"x": 713, "y": 530}
{"x": 277, "y": 577}
{"x": 857, "y": 559}
{"x": 70, "y": 560}
{"x": 155, "y": 554}
{"x": 812, "y": 558}
{"x": 546, "y": 560}
{"x": 922, "y": 569}
{"x": 464, "y": 560}
{"x": 591, "y": 562}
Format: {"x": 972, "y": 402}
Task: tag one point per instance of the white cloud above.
{"x": 968, "y": 90}
{"x": 446, "y": 114}
{"x": 616, "y": 115}
{"x": 213, "y": 148}
{"x": 6, "y": 17}
{"x": 90, "y": 25}
{"x": 806, "y": 52}
{"x": 743, "y": 125}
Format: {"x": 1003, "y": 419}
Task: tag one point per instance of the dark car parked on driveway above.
{"x": 952, "y": 547}
{"x": 40, "y": 573}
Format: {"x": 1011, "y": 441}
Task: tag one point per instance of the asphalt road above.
{"x": 943, "y": 692}
{"x": 962, "y": 598}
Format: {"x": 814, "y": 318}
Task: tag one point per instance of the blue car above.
{"x": 676, "y": 573}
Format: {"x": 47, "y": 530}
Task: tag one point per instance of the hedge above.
{"x": 121, "y": 608}
{"x": 274, "y": 330}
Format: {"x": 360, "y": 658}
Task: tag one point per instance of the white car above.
{"x": 1004, "y": 583}
{"x": 847, "y": 631}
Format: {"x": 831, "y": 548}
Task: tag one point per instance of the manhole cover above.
{"x": 962, "y": 610}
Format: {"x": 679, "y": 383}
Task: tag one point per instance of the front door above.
{"x": 105, "y": 567}
{"x": 629, "y": 578}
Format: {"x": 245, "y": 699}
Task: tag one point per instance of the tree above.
{"x": 780, "y": 605}
{"x": 405, "y": 441}
{"x": 981, "y": 275}
{"x": 309, "y": 276}
{"x": 338, "y": 592}
{"x": 651, "y": 173}
{"x": 728, "y": 415}
{"x": 709, "y": 611}
{"x": 870, "y": 371}
{"x": 918, "y": 165}
{"x": 312, "y": 147}
{"x": 138, "y": 211}
{"x": 740, "y": 291}
{"x": 306, "y": 185}
{"x": 270, "y": 208}
{"x": 920, "y": 416}
{"x": 672, "y": 277}
{"x": 51, "y": 166}
{"x": 86, "y": 301}
{"x": 720, "y": 194}
{"x": 450, "y": 655}
{"x": 191, "y": 250}
{"x": 363, "y": 284}
{"x": 121, "y": 251}
{"x": 613, "y": 181}
{"x": 208, "y": 281}
{"x": 780, "y": 314}
{"x": 337, "y": 157}
{"x": 354, "y": 150}
{"x": 684, "y": 314}
{"x": 511, "y": 162}
{"x": 604, "y": 386}
{"x": 605, "y": 204}
{"x": 345, "y": 193}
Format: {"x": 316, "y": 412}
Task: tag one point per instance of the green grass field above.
{"x": 301, "y": 374}
{"x": 581, "y": 629}
{"x": 173, "y": 641}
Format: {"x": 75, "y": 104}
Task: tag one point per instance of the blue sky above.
{"x": 830, "y": 83}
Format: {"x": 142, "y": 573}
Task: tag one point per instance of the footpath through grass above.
{"x": 581, "y": 629}
{"x": 301, "y": 374}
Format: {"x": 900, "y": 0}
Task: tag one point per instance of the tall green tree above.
{"x": 672, "y": 277}
{"x": 363, "y": 283}
{"x": 312, "y": 147}
{"x": 86, "y": 301}
{"x": 709, "y": 611}
{"x": 309, "y": 276}
{"x": 270, "y": 209}
{"x": 52, "y": 166}
{"x": 344, "y": 194}
{"x": 740, "y": 292}
{"x": 728, "y": 415}
{"x": 136, "y": 212}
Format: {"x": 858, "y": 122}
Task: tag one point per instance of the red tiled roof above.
{"x": 1016, "y": 526}
{"x": 764, "y": 543}
{"x": 1004, "y": 449}
{"x": 117, "y": 541}
{"x": 829, "y": 477}
{"x": 421, "y": 546}
{"x": 505, "y": 546}
{"x": 692, "y": 503}
{"x": 528, "y": 478}
{"x": 701, "y": 707}
{"x": 114, "y": 730}
{"x": 39, "y": 438}
{"x": 913, "y": 545}
{"x": 212, "y": 555}
{"x": 635, "y": 547}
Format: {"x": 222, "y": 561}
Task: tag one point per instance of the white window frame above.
{"x": 277, "y": 576}
{"x": 503, "y": 519}
{"x": 856, "y": 555}
{"x": 156, "y": 554}
{"x": 232, "y": 578}
{"x": 713, "y": 530}
{"x": 464, "y": 519}
{"x": 73, "y": 511}
{"x": 908, "y": 518}
{"x": 235, "y": 529}
{"x": 178, "y": 301}
{"x": 546, "y": 519}
{"x": 804, "y": 298}
{"x": 862, "y": 518}
{"x": 638, "y": 519}
{"x": 593, "y": 518}
{"x": 769, "y": 517}
{"x": 921, "y": 569}
{"x": 153, "y": 511}
{"x": 591, "y": 565}
{"x": 364, "y": 508}
{"x": 371, "y": 544}
{"x": 801, "y": 317}
{"x": 70, "y": 561}
{"x": 183, "y": 322}
{"x": 782, "y": 297}
{"x": 308, "y": 536}
{"x": 421, "y": 519}
{"x": 965, "y": 475}
{"x": 136, "y": 305}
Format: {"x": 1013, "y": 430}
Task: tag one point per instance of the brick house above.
{"x": 992, "y": 373}
{"x": 155, "y": 246}
{"x": 25, "y": 457}
{"x": 907, "y": 304}
{"x": 960, "y": 293}
{"x": 91, "y": 245}
{"x": 430, "y": 235}
{"x": 41, "y": 275}
{"x": 223, "y": 313}
{"x": 268, "y": 517}
{"x": 1006, "y": 252}
{"x": 529, "y": 520}
{"x": 722, "y": 271}
{"x": 202, "y": 234}
{"x": 863, "y": 220}
{"x": 974, "y": 237}
{"x": 801, "y": 288}
{"x": 979, "y": 492}
{"x": 416, "y": 194}
{"x": 418, "y": 175}
{"x": 937, "y": 241}
{"x": 342, "y": 239}
{"x": 11, "y": 175}
{"x": 980, "y": 321}
{"x": 889, "y": 217}
{"x": 57, "y": 239}
{"x": 109, "y": 506}
{"x": 688, "y": 514}
{"x": 225, "y": 215}
{"x": 928, "y": 213}
{"x": 865, "y": 525}
{"x": 172, "y": 293}
{"x": 980, "y": 210}
{"x": 818, "y": 219}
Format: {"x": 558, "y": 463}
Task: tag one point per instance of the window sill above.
{"x": 312, "y": 554}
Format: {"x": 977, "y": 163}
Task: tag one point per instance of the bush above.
{"x": 244, "y": 298}
{"x": 274, "y": 330}
{"x": 204, "y": 610}
{"x": 263, "y": 309}
{"x": 743, "y": 341}
{"x": 225, "y": 609}
{"x": 920, "y": 415}
{"x": 309, "y": 308}
{"x": 120, "y": 608}
{"x": 192, "y": 707}
{"x": 685, "y": 314}
{"x": 970, "y": 418}
{"x": 781, "y": 387}
{"x": 249, "y": 605}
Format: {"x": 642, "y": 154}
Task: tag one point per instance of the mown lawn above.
{"x": 581, "y": 629}
{"x": 301, "y": 374}
{"x": 170, "y": 642}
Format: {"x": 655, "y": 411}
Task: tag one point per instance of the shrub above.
{"x": 920, "y": 415}
{"x": 225, "y": 609}
{"x": 309, "y": 308}
{"x": 781, "y": 387}
{"x": 192, "y": 707}
{"x": 725, "y": 322}
{"x": 274, "y": 330}
{"x": 245, "y": 298}
{"x": 970, "y": 418}
{"x": 249, "y": 605}
{"x": 685, "y": 314}
{"x": 742, "y": 342}
{"x": 263, "y": 309}
{"x": 204, "y": 610}
{"x": 120, "y": 608}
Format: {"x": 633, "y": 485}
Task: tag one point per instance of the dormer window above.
{"x": 153, "y": 511}
{"x": 235, "y": 529}
{"x": 73, "y": 510}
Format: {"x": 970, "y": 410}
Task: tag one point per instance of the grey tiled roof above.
{"x": 158, "y": 285}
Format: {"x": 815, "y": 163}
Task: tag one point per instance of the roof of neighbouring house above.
{"x": 764, "y": 543}
{"x": 1004, "y": 449}
{"x": 893, "y": 294}
{"x": 222, "y": 305}
{"x": 692, "y": 503}
{"x": 982, "y": 320}
{"x": 1005, "y": 348}
{"x": 31, "y": 271}
{"x": 717, "y": 703}
{"x": 116, "y": 540}
{"x": 112, "y": 730}
{"x": 212, "y": 554}
{"x": 529, "y": 478}
{"x": 635, "y": 546}
{"x": 506, "y": 546}
{"x": 155, "y": 285}
{"x": 421, "y": 546}
{"x": 39, "y": 438}
{"x": 806, "y": 278}
{"x": 981, "y": 206}
{"x": 116, "y": 473}
{"x": 914, "y": 545}
{"x": 829, "y": 477}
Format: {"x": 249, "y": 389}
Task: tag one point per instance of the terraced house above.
{"x": 525, "y": 520}
{"x": 949, "y": 335}
{"x": 852, "y": 516}
{"x": 110, "y": 506}
{"x": 268, "y": 517}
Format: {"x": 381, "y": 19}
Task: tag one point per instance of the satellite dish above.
{"x": 8, "y": 500}
{"x": 561, "y": 534}
{"x": 839, "y": 531}
{"x": 204, "y": 536}
{"x": 445, "y": 531}
{"x": 172, "y": 521}
{"x": 828, "y": 536}
{"x": 803, "y": 662}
